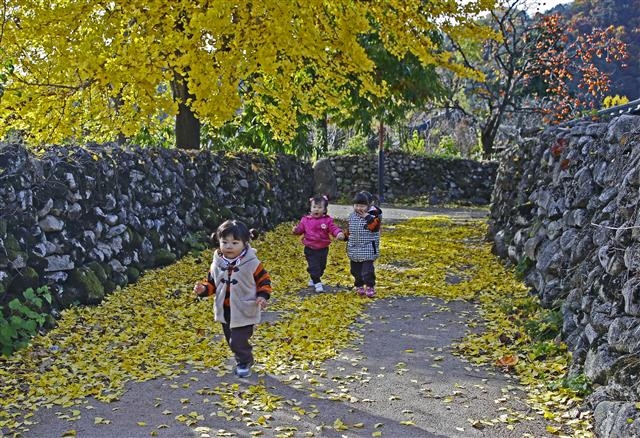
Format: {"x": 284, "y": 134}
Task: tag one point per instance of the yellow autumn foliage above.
{"x": 92, "y": 70}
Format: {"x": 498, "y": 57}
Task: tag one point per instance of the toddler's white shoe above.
{"x": 243, "y": 370}
{"x": 310, "y": 283}
{"x": 319, "y": 287}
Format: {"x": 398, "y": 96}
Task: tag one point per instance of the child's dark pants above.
{"x": 238, "y": 340}
{"x": 363, "y": 273}
{"x": 316, "y": 262}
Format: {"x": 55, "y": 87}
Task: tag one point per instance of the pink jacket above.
{"x": 316, "y": 231}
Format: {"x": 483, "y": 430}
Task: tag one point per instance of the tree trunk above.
{"x": 488, "y": 137}
{"x": 187, "y": 124}
{"x": 325, "y": 134}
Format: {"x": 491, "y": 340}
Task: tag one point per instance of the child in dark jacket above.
{"x": 241, "y": 286}
{"x": 317, "y": 228}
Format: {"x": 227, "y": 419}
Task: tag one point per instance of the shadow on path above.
{"x": 401, "y": 380}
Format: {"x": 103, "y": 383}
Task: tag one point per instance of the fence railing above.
{"x": 632, "y": 107}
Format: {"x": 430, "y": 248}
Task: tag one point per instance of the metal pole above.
{"x": 381, "y": 161}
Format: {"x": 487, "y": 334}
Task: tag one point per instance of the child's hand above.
{"x": 198, "y": 289}
{"x": 262, "y": 303}
{"x": 340, "y": 236}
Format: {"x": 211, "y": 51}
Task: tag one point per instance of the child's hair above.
{"x": 363, "y": 197}
{"x": 236, "y": 229}
{"x": 320, "y": 199}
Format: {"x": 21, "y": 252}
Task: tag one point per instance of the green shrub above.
{"x": 579, "y": 384}
{"x": 524, "y": 265}
{"x": 546, "y": 326}
{"x": 356, "y": 145}
{"x": 447, "y": 147}
{"x": 415, "y": 145}
{"x": 21, "y": 319}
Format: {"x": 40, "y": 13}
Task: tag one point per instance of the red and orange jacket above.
{"x": 237, "y": 285}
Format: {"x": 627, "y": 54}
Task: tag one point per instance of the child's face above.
{"x": 360, "y": 208}
{"x": 230, "y": 247}
{"x": 317, "y": 209}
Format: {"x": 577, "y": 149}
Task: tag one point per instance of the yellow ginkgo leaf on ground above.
{"x": 338, "y": 425}
{"x": 552, "y": 429}
{"x": 308, "y": 330}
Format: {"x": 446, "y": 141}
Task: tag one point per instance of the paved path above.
{"x": 425, "y": 393}
{"x": 394, "y": 214}
{"x": 402, "y": 381}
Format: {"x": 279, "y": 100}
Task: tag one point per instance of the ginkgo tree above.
{"x": 81, "y": 69}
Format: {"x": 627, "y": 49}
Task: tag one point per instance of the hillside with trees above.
{"x": 624, "y": 16}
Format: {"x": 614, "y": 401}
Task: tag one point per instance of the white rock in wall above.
{"x": 59, "y": 263}
{"x": 50, "y": 224}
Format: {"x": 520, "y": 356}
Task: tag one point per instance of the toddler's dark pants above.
{"x": 316, "y": 262}
{"x": 363, "y": 273}
{"x": 238, "y": 340}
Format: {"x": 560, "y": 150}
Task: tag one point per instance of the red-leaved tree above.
{"x": 535, "y": 66}
{"x": 565, "y": 63}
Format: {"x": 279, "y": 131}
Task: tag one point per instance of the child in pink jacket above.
{"x": 317, "y": 228}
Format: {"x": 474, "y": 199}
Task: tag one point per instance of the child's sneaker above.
{"x": 319, "y": 287}
{"x": 311, "y": 283}
{"x": 360, "y": 291}
{"x": 370, "y": 292}
{"x": 243, "y": 370}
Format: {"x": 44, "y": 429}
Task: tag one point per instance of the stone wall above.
{"x": 85, "y": 220}
{"x": 565, "y": 208}
{"x": 440, "y": 180}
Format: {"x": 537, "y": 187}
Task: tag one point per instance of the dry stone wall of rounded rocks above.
{"x": 439, "y": 180}
{"x": 86, "y": 220}
{"x": 565, "y": 209}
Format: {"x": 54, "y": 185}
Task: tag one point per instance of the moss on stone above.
{"x": 109, "y": 286}
{"x": 97, "y": 269}
{"x": 133, "y": 274}
{"x": 154, "y": 238}
{"x": 197, "y": 241}
{"x": 120, "y": 278}
{"x": 210, "y": 216}
{"x": 12, "y": 247}
{"x": 163, "y": 257}
{"x": 89, "y": 286}
{"x": 25, "y": 279}
{"x": 136, "y": 238}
